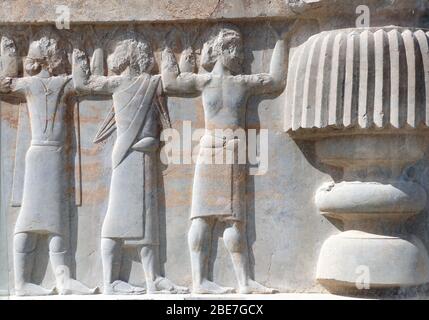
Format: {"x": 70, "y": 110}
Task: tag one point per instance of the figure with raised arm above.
{"x": 219, "y": 190}
{"x": 44, "y": 209}
{"x": 132, "y": 215}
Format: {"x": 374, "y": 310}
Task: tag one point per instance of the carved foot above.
{"x": 31, "y": 289}
{"x": 254, "y": 287}
{"x": 72, "y": 286}
{"x": 209, "y": 287}
{"x": 122, "y": 287}
{"x": 163, "y": 285}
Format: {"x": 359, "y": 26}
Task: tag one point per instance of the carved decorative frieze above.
{"x": 296, "y": 126}
{"x": 55, "y": 91}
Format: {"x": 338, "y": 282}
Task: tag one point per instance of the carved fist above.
{"x": 81, "y": 59}
{"x": 5, "y": 84}
{"x": 8, "y": 58}
{"x": 79, "y": 55}
{"x": 7, "y": 47}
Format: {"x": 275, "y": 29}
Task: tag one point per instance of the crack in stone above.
{"x": 216, "y": 7}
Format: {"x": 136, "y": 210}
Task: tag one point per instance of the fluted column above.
{"x": 362, "y": 96}
{"x": 359, "y": 79}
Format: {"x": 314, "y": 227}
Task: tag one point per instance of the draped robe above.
{"x": 132, "y": 213}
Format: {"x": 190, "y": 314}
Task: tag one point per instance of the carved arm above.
{"x": 174, "y": 81}
{"x": 275, "y": 80}
{"x": 9, "y": 84}
{"x": 87, "y": 82}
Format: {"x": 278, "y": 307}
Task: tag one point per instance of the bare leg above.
{"x": 58, "y": 257}
{"x": 111, "y": 258}
{"x": 148, "y": 256}
{"x": 154, "y": 281}
{"x": 235, "y": 240}
{"x": 24, "y": 245}
{"x": 199, "y": 239}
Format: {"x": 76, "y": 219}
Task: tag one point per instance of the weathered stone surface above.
{"x": 346, "y": 139}
{"x": 110, "y": 11}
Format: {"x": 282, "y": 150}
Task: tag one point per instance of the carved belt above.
{"x": 45, "y": 143}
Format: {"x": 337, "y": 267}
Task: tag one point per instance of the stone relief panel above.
{"x": 122, "y": 68}
{"x": 91, "y": 201}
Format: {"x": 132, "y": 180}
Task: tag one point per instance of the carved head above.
{"x": 49, "y": 53}
{"x": 224, "y": 42}
{"x": 134, "y": 52}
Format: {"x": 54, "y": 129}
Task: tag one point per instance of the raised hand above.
{"x": 89, "y": 39}
{"x": 187, "y": 61}
{"x": 8, "y": 58}
{"x": 80, "y": 59}
{"x": 97, "y": 61}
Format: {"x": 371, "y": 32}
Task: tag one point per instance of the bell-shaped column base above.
{"x": 361, "y": 260}
{"x": 372, "y": 202}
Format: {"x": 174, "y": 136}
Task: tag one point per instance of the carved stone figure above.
{"x": 44, "y": 210}
{"x": 219, "y": 190}
{"x": 132, "y": 214}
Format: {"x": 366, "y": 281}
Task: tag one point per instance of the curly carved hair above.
{"x": 134, "y": 51}
{"x": 222, "y": 38}
{"x": 49, "y": 52}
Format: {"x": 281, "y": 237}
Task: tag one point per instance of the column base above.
{"x": 352, "y": 259}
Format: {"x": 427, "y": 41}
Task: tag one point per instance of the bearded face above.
{"x": 232, "y": 56}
